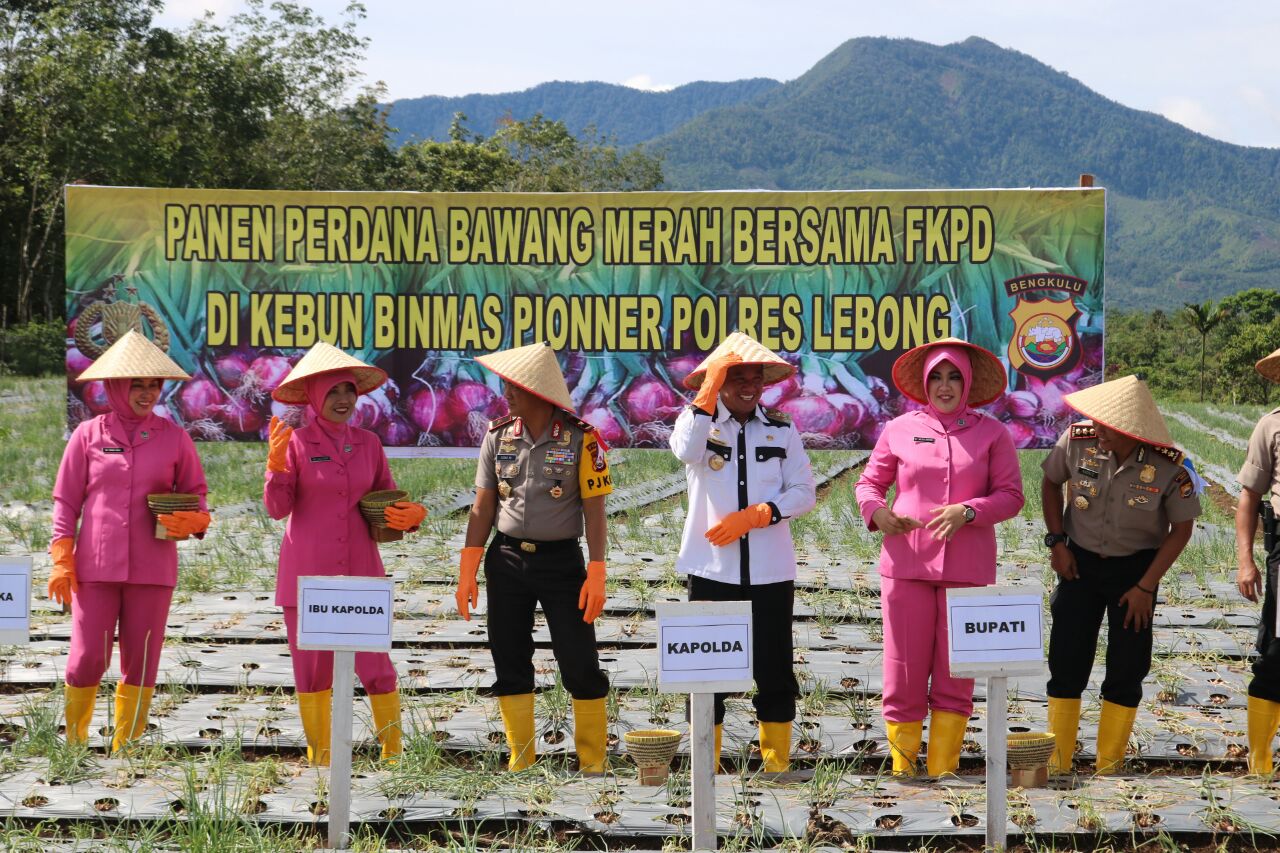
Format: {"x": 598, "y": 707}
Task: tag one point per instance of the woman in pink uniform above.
{"x": 114, "y": 572}
{"x": 957, "y": 476}
{"x": 316, "y": 476}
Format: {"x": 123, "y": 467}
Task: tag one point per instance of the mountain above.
{"x": 1190, "y": 217}
{"x": 630, "y": 115}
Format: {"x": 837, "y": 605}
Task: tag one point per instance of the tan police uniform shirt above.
{"x": 542, "y": 480}
{"x": 1118, "y": 507}
{"x": 1261, "y": 470}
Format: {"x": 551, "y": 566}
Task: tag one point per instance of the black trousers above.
{"x": 517, "y": 582}
{"x": 1266, "y": 668}
{"x": 1078, "y": 607}
{"x": 771, "y": 617}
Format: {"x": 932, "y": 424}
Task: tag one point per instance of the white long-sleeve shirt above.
{"x": 762, "y": 461}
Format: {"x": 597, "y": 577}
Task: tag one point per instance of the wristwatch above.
{"x": 969, "y": 513}
{"x": 1051, "y": 539}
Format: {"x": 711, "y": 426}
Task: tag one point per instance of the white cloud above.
{"x": 645, "y": 83}
{"x": 1191, "y": 114}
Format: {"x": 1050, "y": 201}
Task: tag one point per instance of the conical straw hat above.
{"x": 325, "y": 358}
{"x": 133, "y": 357}
{"x": 989, "y": 380}
{"x": 533, "y": 368}
{"x": 750, "y": 351}
{"x": 1269, "y": 367}
{"x": 1126, "y": 406}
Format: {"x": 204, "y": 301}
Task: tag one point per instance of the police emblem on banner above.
{"x": 1044, "y": 342}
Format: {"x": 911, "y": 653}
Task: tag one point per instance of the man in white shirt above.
{"x": 748, "y": 474}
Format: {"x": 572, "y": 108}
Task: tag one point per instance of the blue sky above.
{"x": 1214, "y": 68}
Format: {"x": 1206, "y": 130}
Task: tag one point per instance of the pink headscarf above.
{"x": 317, "y": 388}
{"x": 959, "y": 357}
{"x": 118, "y": 398}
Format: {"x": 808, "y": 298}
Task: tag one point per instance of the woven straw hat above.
{"x": 1126, "y": 406}
{"x": 989, "y": 380}
{"x": 750, "y": 351}
{"x": 1269, "y": 366}
{"x": 133, "y": 357}
{"x": 535, "y": 369}
{"x": 325, "y": 358}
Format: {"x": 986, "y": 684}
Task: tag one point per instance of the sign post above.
{"x": 15, "y": 600}
{"x": 344, "y": 615}
{"x": 996, "y": 632}
{"x": 704, "y": 648}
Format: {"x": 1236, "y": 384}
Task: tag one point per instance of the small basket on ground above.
{"x": 372, "y": 506}
{"x": 163, "y": 503}
{"x": 1029, "y": 758}
{"x": 652, "y": 751}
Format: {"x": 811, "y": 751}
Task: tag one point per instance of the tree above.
{"x": 1241, "y": 352}
{"x": 1203, "y": 319}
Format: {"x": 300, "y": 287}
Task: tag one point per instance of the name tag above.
{"x": 920, "y": 440}
{"x": 1088, "y": 472}
{"x": 321, "y": 459}
{"x": 113, "y": 450}
{"x": 506, "y": 457}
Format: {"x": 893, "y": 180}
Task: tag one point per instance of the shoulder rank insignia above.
{"x": 1173, "y": 454}
{"x": 578, "y": 422}
{"x": 1083, "y": 430}
{"x": 497, "y": 423}
{"x": 777, "y": 417}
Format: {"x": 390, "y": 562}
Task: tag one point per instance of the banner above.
{"x": 632, "y": 289}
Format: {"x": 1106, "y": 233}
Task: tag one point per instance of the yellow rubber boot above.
{"x": 1114, "y": 727}
{"x": 1264, "y": 718}
{"x": 590, "y": 736}
{"x": 80, "y": 702}
{"x": 517, "y": 720}
{"x": 719, "y": 740}
{"x": 775, "y": 746}
{"x": 386, "y": 723}
{"x": 946, "y": 737}
{"x": 904, "y": 745}
{"x": 133, "y": 704}
{"x": 316, "y": 710}
{"x": 1064, "y": 721}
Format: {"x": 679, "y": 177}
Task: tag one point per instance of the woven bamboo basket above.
{"x": 1030, "y": 750}
{"x": 652, "y": 747}
{"x": 372, "y": 506}
{"x": 163, "y": 503}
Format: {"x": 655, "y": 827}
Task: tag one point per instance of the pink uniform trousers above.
{"x": 140, "y": 612}
{"x": 916, "y": 674}
{"x": 313, "y": 671}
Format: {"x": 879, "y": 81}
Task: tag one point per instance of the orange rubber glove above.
{"x": 713, "y": 381}
{"x": 183, "y": 523}
{"x": 468, "y": 594}
{"x": 404, "y": 515}
{"x": 591, "y": 599}
{"x": 735, "y": 525}
{"x": 278, "y": 446}
{"x": 62, "y": 578}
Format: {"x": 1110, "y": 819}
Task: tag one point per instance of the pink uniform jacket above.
{"x": 975, "y": 464}
{"x": 320, "y": 494}
{"x": 103, "y": 483}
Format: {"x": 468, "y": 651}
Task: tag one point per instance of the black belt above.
{"x": 1095, "y": 555}
{"x": 532, "y": 546}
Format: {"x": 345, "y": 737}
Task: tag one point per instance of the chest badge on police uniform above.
{"x": 1140, "y": 499}
{"x": 504, "y": 489}
{"x": 716, "y": 462}
{"x": 556, "y": 491}
{"x": 1148, "y": 474}
{"x": 511, "y": 470}
{"x": 1081, "y": 502}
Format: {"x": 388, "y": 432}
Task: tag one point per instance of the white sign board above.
{"x": 15, "y": 600}
{"x": 704, "y": 646}
{"x": 345, "y": 613}
{"x": 995, "y": 631}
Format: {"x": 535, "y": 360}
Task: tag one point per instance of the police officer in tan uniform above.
{"x": 542, "y": 473}
{"x": 1130, "y": 508}
{"x": 1259, "y": 475}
